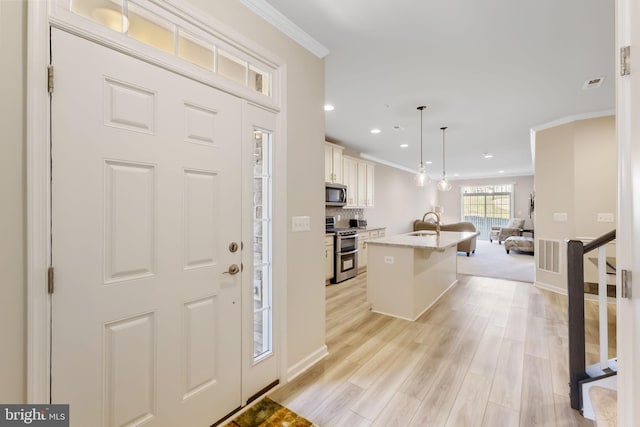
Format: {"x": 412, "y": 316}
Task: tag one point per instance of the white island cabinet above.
{"x": 407, "y": 273}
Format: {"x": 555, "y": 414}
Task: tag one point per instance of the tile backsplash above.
{"x": 344, "y": 214}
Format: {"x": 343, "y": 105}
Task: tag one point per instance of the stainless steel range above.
{"x": 345, "y": 244}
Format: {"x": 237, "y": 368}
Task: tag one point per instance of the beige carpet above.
{"x": 491, "y": 260}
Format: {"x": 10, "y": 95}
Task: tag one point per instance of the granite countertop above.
{"x": 331, "y": 233}
{"x": 425, "y": 239}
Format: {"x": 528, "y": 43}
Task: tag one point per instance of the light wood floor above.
{"x": 489, "y": 353}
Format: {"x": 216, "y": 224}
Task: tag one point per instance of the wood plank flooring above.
{"x": 489, "y": 353}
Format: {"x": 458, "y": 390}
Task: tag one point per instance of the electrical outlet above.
{"x": 389, "y": 259}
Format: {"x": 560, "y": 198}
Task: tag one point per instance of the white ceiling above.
{"x": 489, "y": 70}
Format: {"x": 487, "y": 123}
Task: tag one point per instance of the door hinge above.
{"x": 625, "y": 284}
{"x": 50, "y": 78}
{"x": 625, "y": 60}
{"x": 50, "y": 280}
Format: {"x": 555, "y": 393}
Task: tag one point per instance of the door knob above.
{"x": 233, "y": 247}
{"x": 233, "y": 269}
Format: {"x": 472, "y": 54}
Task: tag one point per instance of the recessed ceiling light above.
{"x": 329, "y": 107}
{"x": 593, "y": 83}
{"x": 404, "y": 145}
{"x": 456, "y": 174}
{"x": 500, "y": 171}
{"x": 488, "y": 156}
{"x": 375, "y": 131}
{"x": 428, "y": 162}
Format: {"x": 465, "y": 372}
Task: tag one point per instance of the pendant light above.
{"x": 443, "y": 184}
{"x": 421, "y": 177}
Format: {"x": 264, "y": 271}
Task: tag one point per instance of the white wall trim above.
{"x": 306, "y": 363}
{"x": 563, "y": 291}
{"x": 627, "y": 134}
{"x": 280, "y": 227}
{"x": 38, "y": 205}
{"x": 284, "y": 24}
{"x": 551, "y": 288}
{"x": 573, "y": 118}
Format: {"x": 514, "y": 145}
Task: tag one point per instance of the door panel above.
{"x": 146, "y": 192}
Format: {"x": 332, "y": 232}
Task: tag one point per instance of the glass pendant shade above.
{"x": 443, "y": 184}
{"x": 421, "y": 178}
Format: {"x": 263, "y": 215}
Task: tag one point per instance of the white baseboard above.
{"x": 563, "y": 291}
{"x": 307, "y": 362}
{"x": 552, "y": 288}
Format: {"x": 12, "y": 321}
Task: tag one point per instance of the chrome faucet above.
{"x": 437, "y": 215}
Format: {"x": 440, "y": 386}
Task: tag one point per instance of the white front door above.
{"x": 146, "y": 204}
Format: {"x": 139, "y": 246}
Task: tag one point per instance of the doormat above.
{"x": 268, "y": 413}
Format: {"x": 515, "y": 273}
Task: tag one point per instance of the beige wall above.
{"x": 304, "y": 169}
{"x": 575, "y": 173}
{"x": 12, "y": 196}
{"x": 595, "y": 175}
{"x": 398, "y": 201}
{"x": 523, "y": 187}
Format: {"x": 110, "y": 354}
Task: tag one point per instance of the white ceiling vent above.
{"x": 593, "y": 83}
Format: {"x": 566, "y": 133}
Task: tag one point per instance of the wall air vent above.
{"x": 549, "y": 255}
{"x": 593, "y": 83}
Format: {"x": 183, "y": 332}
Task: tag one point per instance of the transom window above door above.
{"x": 148, "y": 23}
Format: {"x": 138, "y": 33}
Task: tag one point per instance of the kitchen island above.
{"x": 408, "y": 273}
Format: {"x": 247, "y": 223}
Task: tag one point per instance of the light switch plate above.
{"x": 605, "y": 217}
{"x": 300, "y": 223}
{"x": 560, "y": 217}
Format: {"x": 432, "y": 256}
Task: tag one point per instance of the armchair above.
{"x": 513, "y": 228}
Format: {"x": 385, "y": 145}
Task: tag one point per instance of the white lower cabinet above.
{"x": 328, "y": 257}
{"x": 363, "y": 237}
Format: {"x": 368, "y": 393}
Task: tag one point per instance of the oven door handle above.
{"x": 347, "y": 236}
{"x": 348, "y": 253}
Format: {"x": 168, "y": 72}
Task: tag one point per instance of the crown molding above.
{"x": 573, "y": 118}
{"x": 282, "y": 23}
{"x": 387, "y": 163}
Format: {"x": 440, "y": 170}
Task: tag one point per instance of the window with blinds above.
{"x": 487, "y": 206}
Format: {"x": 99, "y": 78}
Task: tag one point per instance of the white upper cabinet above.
{"x": 350, "y": 174}
{"x": 365, "y": 184}
{"x": 333, "y": 163}
{"x": 359, "y": 179}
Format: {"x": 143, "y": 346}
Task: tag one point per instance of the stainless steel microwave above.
{"x": 335, "y": 194}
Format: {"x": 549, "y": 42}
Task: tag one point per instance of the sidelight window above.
{"x": 262, "y": 254}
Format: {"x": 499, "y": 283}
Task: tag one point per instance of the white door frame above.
{"x": 628, "y": 244}
{"x": 38, "y": 172}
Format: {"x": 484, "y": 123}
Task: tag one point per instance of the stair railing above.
{"x": 575, "y": 284}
